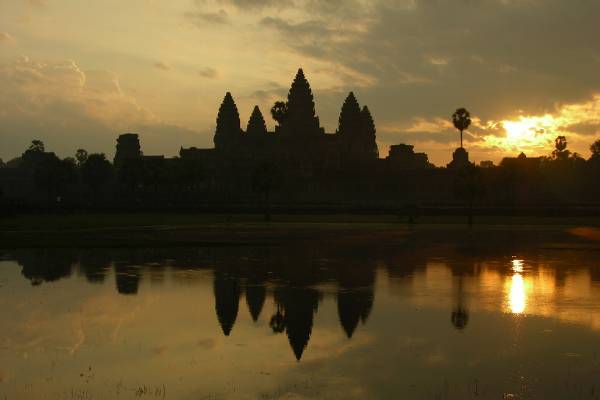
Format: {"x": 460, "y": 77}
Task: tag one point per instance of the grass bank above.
{"x": 159, "y": 230}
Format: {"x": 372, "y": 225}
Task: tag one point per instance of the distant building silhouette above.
{"x": 128, "y": 147}
{"x": 460, "y": 159}
{"x": 522, "y": 162}
{"x": 403, "y": 156}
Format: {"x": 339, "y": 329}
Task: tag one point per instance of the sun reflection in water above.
{"x": 517, "y": 266}
{"x": 517, "y": 296}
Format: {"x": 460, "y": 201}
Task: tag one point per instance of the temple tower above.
{"x": 357, "y": 131}
{"x": 128, "y": 147}
{"x": 256, "y": 123}
{"x": 301, "y": 120}
{"x": 228, "y": 132}
{"x": 369, "y": 132}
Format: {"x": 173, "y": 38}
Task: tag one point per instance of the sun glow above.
{"x": 529, "y": 134}
{"x": 535, "y": 134}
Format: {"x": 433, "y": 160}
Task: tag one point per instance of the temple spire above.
{"x": 228, "y": 123}
{"x": 256, "y": 123}
{"x": 368, "y": 130}
{"x": 301, "y": 118}
{"x": 350, "y": 121}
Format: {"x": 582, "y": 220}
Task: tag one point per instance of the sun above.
{"x": 526, "y": 133}
{"x": 529, "y": 131}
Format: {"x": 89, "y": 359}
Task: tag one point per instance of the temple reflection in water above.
{"x": 293, "y": 281}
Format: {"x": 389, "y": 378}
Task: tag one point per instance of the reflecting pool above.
{"x": 486, "y": 315}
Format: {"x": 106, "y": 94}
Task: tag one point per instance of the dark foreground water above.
{"x": 487, "y": 315}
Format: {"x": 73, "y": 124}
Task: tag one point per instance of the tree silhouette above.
{"x": 37, "y": 146}
{"x": 560, "y": 143}
{"x": 53, "y": 175}
{"x": 81, "y": 155}
{"x": 460, "y": 314}
{"x": 96, "y": 171}
{"x": 277, "y": 321}
{"x": 461, "y": 120}
{"x": 595, "y": 149}
{"x": 460, "y": 318}
{"x": 560, "y": 148}
{"x": 34, "y": 155}
{"x": 279, "y": 112}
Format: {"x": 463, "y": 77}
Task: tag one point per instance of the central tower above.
{"x": 301, "y": 121}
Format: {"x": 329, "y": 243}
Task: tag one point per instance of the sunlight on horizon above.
{"x": 529, "y": 134}
{"x": 535, "y": 134}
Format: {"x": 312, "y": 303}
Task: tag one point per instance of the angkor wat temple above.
{"x": 299, "y": 141}
{"x": 296, "y": 167}
{"x": 315, "y": 166}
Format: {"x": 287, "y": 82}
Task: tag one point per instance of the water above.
{"x": 488, "y": 315}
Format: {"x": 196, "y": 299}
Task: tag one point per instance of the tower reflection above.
{"x": 463, "y": 281}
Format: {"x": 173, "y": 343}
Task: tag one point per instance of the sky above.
{"x": 76, "y": 74}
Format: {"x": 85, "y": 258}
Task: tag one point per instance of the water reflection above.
{"x": 291, "y": 280}
{"x": 318, "y": 302}
{"x": 517, "y": 297}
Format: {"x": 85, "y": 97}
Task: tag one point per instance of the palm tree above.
{"x": 461, "y": 119}
{"x": 279, "y": 111}
{"x": 81, "y": 155}
{"x": 595, "y": 149}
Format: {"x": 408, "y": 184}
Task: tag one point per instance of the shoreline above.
{"x": 178, "y": 230}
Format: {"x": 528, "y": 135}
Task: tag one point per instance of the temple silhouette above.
{"x": 299, "y": 167}
{"x": 298, "y": 142}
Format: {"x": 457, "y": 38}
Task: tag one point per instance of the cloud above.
{"x": 161, "y": 65}
{"x": 68, "y": 108}
{"x": 423, "y": 58}
{"x": 202, "y": 18}
{"x": 37, "y": 3}
{"x": 246, "y": 5}
{"x": 209, "y": 73}
{"x": 6, "y": 38}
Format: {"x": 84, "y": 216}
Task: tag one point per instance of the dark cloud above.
{"x": 495, "y": 56}
{"x": 258, "y": 4}
{"x": 586, "y": 129}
